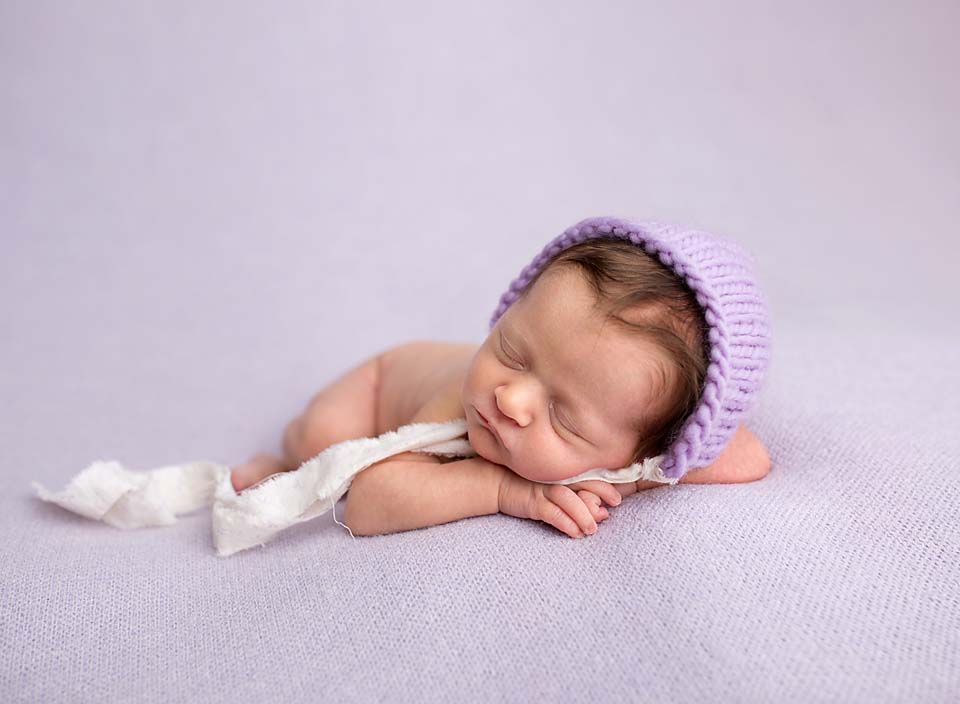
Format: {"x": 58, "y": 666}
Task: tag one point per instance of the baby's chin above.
{"x": 481, "y": 448}
{"x": 487, "y": 448}
{"x": 520, "y": 470}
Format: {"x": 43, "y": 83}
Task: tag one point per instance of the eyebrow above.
{"x": 578, "y": 429}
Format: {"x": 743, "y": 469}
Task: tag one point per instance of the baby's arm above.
{"x": 744, "y": 459}
{"x": 413, "y": 490}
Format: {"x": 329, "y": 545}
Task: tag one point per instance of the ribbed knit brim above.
{"x": 720, "y": 274}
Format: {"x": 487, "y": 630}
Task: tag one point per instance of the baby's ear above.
{"x": 744, "y": 459}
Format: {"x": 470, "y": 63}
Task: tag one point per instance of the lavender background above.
{"x": 209, "y": 210}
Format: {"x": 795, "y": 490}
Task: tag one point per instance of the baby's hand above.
{"x": 576, "y": 514}
{"x": 612, "y": 494}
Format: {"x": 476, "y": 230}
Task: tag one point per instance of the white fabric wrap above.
{"x": 109, "y": 492}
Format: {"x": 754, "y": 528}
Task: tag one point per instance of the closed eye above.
{"x": 566, "y": 427}
{"x": 563, "y": 425}
{"x": 503, "y": 349}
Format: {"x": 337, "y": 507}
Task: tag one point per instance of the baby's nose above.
{"x": 514, "y": 404}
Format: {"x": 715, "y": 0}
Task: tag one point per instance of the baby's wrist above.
{"x": 496, "y": 476}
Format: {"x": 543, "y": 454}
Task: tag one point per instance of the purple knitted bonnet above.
{"x": 719, "y": 273}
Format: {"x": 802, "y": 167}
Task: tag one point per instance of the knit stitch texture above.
{"x": 719, "y": 271}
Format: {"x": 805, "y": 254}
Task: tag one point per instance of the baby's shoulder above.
{"x": 420, "y": 382}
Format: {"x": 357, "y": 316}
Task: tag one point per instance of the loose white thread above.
{"x": 334, "y": 509}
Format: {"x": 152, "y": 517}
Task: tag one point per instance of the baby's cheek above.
{"x": 538, "y": 472}
{"x": 523, "y": 471}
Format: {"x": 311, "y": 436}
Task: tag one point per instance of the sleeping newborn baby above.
{"x": 601, "y": 355}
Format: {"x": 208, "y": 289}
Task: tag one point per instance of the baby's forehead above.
{"x": 560, "y": 287}
{"x": 594, "y": 364}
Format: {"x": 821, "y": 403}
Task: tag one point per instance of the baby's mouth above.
{"x": 486, "y": 424}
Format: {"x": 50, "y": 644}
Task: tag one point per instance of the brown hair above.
{"x": 664, "y": 312}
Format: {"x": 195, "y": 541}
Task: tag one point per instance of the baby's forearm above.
{"x": 403, "y": 495}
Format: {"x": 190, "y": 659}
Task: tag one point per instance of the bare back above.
{"x": 420, "y": 382}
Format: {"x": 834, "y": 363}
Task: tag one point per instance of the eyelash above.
{"x": 557, "y": 415}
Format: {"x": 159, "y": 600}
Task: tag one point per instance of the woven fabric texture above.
{"x": 206, "y": 215}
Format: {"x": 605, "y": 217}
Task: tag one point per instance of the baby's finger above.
{"x": 546, "y": 510}
{"x": 573, "y": 506}
{"x": 592, "y": 501}
{"x": 605, "y": 490}
{"x": 589, "y": 497}
{"x": 555, "y": 516}
{"x": 610, "y": 493}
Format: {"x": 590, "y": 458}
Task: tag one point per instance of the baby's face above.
{"x": 562, "y": 392}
